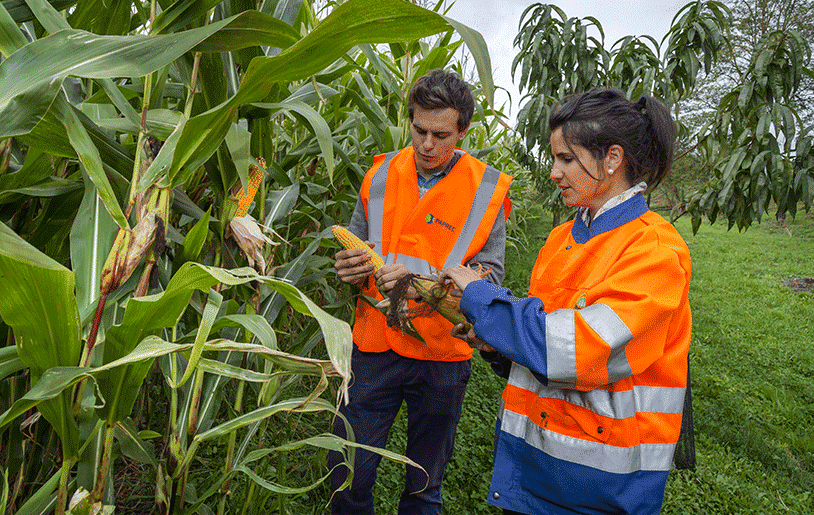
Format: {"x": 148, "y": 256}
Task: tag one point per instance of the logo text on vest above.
{"x": 432, "y": 219}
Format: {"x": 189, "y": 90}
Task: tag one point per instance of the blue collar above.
{"x": 611, "y": 219}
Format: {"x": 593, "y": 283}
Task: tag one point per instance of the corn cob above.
{"x": 439, "y": 296}
{"x": 351, "y": 241}
{"x": 245, "y": 198}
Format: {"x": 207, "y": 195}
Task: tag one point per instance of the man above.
{"x": 424, "y": 208}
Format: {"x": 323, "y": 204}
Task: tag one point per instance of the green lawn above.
{"x": 752, "y": 363}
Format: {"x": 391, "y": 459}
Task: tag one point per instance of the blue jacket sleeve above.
{"x": 514, "y": 326}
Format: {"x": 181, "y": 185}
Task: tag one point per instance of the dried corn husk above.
{"x": 440, "y": 297}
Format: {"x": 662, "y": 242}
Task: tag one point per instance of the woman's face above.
{"x": 590, "y": 186}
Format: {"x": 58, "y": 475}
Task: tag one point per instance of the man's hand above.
{"x": 470, "y": 338}
{"x": 353, "y": 266}
{"x": 387, "y": 276}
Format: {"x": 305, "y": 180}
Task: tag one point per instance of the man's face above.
{"x": 435, "y": 134}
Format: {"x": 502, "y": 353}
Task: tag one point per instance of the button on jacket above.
{"x": 591, "y": 414}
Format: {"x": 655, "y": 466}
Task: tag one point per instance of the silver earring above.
{"x": 610, "y": 171}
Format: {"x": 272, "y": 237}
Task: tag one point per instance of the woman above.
{"x": 591, "y": 413}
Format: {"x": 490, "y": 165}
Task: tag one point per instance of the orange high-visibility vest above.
{"x": 446, "y": 227}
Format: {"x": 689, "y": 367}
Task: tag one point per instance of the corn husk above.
{"x": 440, "y": 297}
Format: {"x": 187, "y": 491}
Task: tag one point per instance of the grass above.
{"x": 752, "y": 363}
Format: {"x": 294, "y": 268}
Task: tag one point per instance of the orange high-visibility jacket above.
{"x": 591, "y": 413}
{"x": 446, "y": 227}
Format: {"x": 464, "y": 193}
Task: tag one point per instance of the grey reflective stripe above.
{"x": 561, "y": 350}
{"x": 618, "y": 405}
{"x": 617, "y": 460}
{"x": 659, "y": 399}
{"x": 416, "y": 265}
{"x": 375, "y": 202}
{"x": 479, "y": 205}
{"x": 501, "y": 408}
{"x": 607, "y": 324}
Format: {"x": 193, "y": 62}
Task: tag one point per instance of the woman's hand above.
{"x": 459, "y": 331}
{"x": 461, "y": 276}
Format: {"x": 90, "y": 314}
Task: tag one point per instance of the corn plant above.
{"x": 127, "y": 134}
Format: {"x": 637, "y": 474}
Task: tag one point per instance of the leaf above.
{"x": 238, "y": 141}
{"x": 143, "y": 316}
{"x": 9, "y": 362}
{"x": 47, "y": 329}
{"x": 162, "y": 161}
{"x": 280, "y": 203}
{"x": 38, "y": 304}
{"x": 180, "y": 13}
{"x": 213, "y": 303}
{"x": 11, "y": 39}
{"x": 351, "y": 23}
{"x": 56, "y": 380}
{"x": 90, "y": 158}
{"x": 258, "y": 326}
{"x": 48, "y": 61}
{"x": 196, "y": 238}
{"x": 480, "y": 53}
{"x": 92, "y": 235}
{"x": 132, "y": 444}
{"x": 317, "y": 124}
{"x": 251, "y": 28}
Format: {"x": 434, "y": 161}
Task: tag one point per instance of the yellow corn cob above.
{"x": 245, "y": 198}
{"x": 351, "y": 241}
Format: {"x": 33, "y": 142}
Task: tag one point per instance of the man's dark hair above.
{"x": 440, "y": 89}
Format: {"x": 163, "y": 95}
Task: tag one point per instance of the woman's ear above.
{"x": 614, "y": 158}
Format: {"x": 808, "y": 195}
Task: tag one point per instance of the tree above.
{"x": 754, "y": 149}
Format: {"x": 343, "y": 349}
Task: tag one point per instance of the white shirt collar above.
{"x": 628, "y": 194}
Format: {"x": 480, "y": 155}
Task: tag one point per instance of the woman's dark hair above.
{"x": 600, "y": 118}
{"x": 439, "y": 89}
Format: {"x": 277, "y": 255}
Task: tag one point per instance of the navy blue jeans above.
{"x": 434, "y": 392}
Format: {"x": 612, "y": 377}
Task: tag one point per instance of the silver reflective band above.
{"x": 618, "y": 405}
{"x": 561, "y": 350}
{"x": 375, "y": 202}
{"x": 480, "y": 204}
{"x": 415, "y": 265}
{"x": 617, "y": 460}
{"x": 607, "y": 324}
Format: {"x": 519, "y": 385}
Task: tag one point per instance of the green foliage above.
{"x": 753, "y": 151}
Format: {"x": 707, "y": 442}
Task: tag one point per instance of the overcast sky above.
{"x": 497, "y": 21}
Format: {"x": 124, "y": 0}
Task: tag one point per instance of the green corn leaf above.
{"x": 92, "y": 161}
{"x": 280, "y": 203}
{"x": 92, "y": 235}
{"x": 317, "y": 124}
{"x": 131, "y": 443}
{"x": 38, "y": 304}
{"x": 11, "y": 38}
{"x": 351, "y": 23}
{"x": 195, "y": 238}
{"x": 213, "y": 303}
